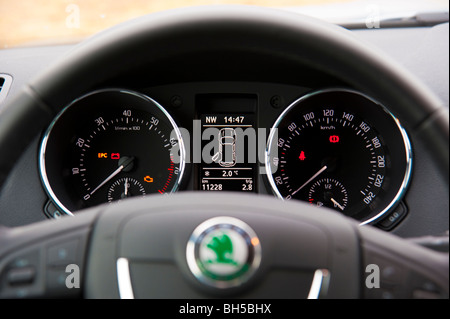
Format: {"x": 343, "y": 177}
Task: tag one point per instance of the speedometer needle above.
{"x": 117, "y": 171}
{"x": 309, "y": 180}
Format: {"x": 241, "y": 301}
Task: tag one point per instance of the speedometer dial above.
{"x": 110, "y": 145}
{"x": 342, "y": 150}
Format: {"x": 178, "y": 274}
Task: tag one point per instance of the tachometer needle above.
{"x": 117, "y": 171}
{"x": 309, "y": 180}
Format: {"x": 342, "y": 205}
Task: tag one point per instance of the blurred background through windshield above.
{"x": 42, "y": 22}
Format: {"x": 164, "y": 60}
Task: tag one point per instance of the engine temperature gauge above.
{"x": 125, "y": 187}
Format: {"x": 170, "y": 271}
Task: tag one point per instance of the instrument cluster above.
{"x": 336, "y": 148}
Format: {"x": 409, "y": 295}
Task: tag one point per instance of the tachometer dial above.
{"x": 333, "y": 138}
{"x": 108, "y": 142}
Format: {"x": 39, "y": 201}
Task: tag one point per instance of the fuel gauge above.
{"x": 330, "y": 193}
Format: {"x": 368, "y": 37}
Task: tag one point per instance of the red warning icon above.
{"x": 302, "y": 156}
{"x": 334, "y": 139}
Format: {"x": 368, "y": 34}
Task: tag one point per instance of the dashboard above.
{"x": 80, "y": 154}
{"x": 231, "y": 131}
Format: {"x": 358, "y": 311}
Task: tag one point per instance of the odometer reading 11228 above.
{"x": 227, "y": 166}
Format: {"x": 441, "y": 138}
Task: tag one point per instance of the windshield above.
{"x": 41, "y": 22}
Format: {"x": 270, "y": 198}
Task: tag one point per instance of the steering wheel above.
{"x": 153, "y": 247}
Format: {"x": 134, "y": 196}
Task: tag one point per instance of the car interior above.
{"x": 228, "y": 152}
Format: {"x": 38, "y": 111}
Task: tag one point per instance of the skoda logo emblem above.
{"x": 223, "y": 252}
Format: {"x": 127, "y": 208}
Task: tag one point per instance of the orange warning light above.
{"x": 148, "y": 179}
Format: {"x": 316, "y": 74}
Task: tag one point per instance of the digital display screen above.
{"x": 228, "y": 152}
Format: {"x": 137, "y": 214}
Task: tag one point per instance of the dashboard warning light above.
{"x": 115, "y": 155}
{"x": 102, "y": 155}
{"x": 334, "y": 139}
{"x": 148, "y": 179}
{"x": 302, "y": 156}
